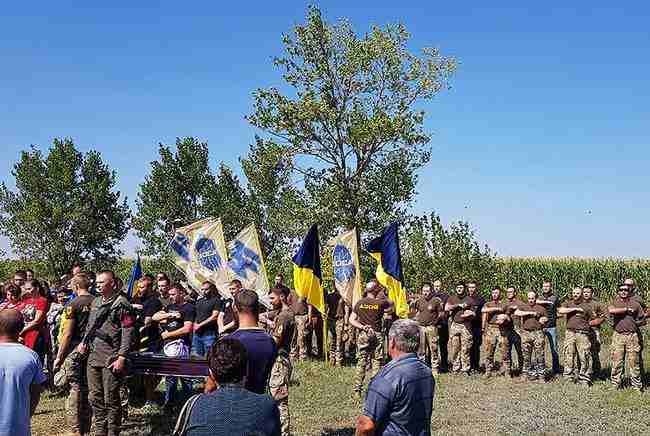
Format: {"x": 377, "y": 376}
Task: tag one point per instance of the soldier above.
{"x": 227, "y": 320}
{"x": 496, "y": 331}
{"x": 76, "y": 313}
{"x": 428, "y": 310}
{"x": 514, "y": 338}
{"x": 338, "y": 313}
{"x": 599, "y": 314}
{"x": 443, "y": 326}
{"x": 626, "y": 314}
{"x": 533, "y": 320}
{"x": 477, "y": 327}
{"x": 303, "y": 324}
{"x": 367, "y": 317}
{"x": 577, "y": 346}
{"x": 283, "y": 327}
{"x": 110, "y": 335}
{"x": 462, "y": 310}
{"x": 635, "y": 295}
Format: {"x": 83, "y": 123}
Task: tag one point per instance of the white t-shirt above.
{"x": 20, "y": 368}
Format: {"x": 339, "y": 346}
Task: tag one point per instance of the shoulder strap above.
{"x": 184, "y": 417}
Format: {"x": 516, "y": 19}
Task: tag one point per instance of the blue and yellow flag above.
{"x": 385, "y": 250}
{"x": 306, "y": 270}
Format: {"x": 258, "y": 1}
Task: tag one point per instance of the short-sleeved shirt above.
{"x": 577, "y": 321}
{"x": 20, "y": 368}
{"x": 335, "y": 305}
{"x": 205, "y": 307}
{"x": 298, "y": 304}
{"x": 400, "y": 398}
{"x": 626, "y": 323}
{"x": 529, "y": 322}
{"x": 492, "y": 316}
{"x": 284, "y": 326}
{"x": 428, "y": 311}
{"x": 476, "y": 304}
{"x": 229, "y": 315}
{"x": 262, "y": 351}
{"x": 370, "y": 311}
{"x": 188, "y": 313}
{"x": 150, "y": 336}
{"x": 79, "y": 311}
{"x": 512, "y": 306}
{"x": 28, "y": 308}
{"x": 598, "y": 311}
{"x": 551, "y": 310}
{"x": 472, "y": 304}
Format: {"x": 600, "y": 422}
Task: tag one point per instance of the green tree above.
{"x": 432, "y": 251}
{"x": 181, "y": 189}
{"x": 64, "y": 208}
{"x": 349, "y": 125}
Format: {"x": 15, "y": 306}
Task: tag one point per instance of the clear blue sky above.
{"x": 547, "y": 119}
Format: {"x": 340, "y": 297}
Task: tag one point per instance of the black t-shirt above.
{"x": 187, "y": 312}
{"x": 204, "y": 309}
{"x": 79, "y": 310}
{"x": 151, "y": 334}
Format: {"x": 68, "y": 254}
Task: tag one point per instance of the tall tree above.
{"x": 349, "y": 125}
{"x": 64, "y": 209}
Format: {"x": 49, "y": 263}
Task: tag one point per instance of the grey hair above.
{"x": 406, "y": 334}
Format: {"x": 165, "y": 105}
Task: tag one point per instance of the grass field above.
{"x": 321, "y": 404}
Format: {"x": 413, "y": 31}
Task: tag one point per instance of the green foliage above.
{"x": 350, "y": 128}
{"x": 64, "y": 208}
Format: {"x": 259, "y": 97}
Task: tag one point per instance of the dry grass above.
{"x": 321, "y": 404}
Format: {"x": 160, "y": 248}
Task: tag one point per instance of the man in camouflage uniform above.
{"x": 303, "y": 326}
{"x": 367, "y": 317}
{"x": 626, "y": 315}
{"x": 113, "y": 338}
{"x": 427, "y": 314}
{"x": 282, "y": 332}
{"x": 577, "y": 346}
{"x": 599, "y": 315}
{"x": 462, "y": 310}
{"x": 533, "y": 319}
{"x": 337, "y": 318}
{"x": 514, "y": 337}
{"x": 496, "y": 332}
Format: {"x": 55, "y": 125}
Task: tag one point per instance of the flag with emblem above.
{"x": 306, "y": 270}
{"x": 385, "y": 250}
{"x": 246, "y": 261}
{"x": 200, "y": 253}
{"x": 345, "y": 265}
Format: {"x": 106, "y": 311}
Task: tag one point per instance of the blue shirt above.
{"x": 232, "y": 410}
{"x": 20, "y": 368}
{"x": 262, "y": 352}
{"x": 400, "y": 398}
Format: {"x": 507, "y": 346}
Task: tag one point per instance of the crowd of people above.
{"x": 83, "y": 332}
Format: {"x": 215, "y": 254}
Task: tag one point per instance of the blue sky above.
{"x": 547, "y": 118}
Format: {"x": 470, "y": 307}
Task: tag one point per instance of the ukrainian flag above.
{"x": 306, "y": 271}
{"x": 385, "y": 250}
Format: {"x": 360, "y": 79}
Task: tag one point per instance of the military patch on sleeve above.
{"x": 127, "y": 319}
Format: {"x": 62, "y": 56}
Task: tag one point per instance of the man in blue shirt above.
{"x": 21, "y": 377}
{"x": 260, "y": 346}
{"x": 400, "y": 397}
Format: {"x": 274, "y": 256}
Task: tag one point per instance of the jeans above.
{"x": 170, "y": 388}
{"x": 551, "y": 336}
{"x": 201, "y": 344}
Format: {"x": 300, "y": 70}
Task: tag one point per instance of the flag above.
{"x": 247, "y": 263}
{"x": 136, "y": 274}
{"x": 345, "y": 262}
{"x": 200, "y": 253}
{"x": 306, "y": 271}
{"x": 385, "y": 250}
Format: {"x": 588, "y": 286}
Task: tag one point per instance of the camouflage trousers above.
{"x": 595, "y": 346}
{"x": 104, "y": 396}
{"x": 429, "y": 346}
{"x": 461, "y": 341}
{"x": 351, "y": 344}
{"x": 370, "y": 351}
{"x": 77, "y": 408}
{"x": 626, "y": 345}
{"x": 300, "y": 338}
{"x": 493, "y": 337}
{"x": 577, "y": 351}
{"x": 337, "y": 332}
{"x": 532, "y": 345}
{"x": 279, "y": 389}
